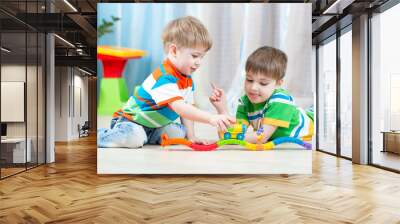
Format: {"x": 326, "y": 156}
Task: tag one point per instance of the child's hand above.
{"x": 221, "y": 121}
{"x": 200, "y": 141}
{"x": 251, "y": 137}
{"x": 218, "y": 99}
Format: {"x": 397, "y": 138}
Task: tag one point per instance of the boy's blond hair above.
{"x": 186, "y": 32}
{"x": 267, "y": 61}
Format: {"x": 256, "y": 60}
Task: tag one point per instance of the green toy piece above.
{"x": 231, "y": 142}
{"x": 113, "y": 94}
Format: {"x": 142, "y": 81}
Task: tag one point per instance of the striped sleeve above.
{"x": 164, "y": 90}
{"x": 280, "y": 110}
{"x": 241, "y": 112}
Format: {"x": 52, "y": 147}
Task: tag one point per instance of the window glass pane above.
{"x": 41, "y": 98}
{"x": 385, "y": 86}
{"x": 22, "y": 73}
{"x": 15, "y": 150}
{"x": 32, "y": 95}
{"x": 327, "y": 97}
{"x": 346, "y": 94}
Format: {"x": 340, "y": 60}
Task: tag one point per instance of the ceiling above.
{"x": 76, "y": 24}
{"x": 332, "y": 15}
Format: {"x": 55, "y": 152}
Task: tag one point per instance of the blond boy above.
{"x": 166, "y": 94}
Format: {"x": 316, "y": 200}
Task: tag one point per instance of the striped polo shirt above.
{"x": 149, "y": 105}
{"x": 279, "y": 110}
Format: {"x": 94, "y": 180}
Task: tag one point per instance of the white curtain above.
{"x": 237, "y": 30}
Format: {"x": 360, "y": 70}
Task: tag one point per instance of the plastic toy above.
{"x": 237, "y": 131}
{"x": 235, "y": 136}
{"x": 174, "y": 141}
{"x": 267, "y": 146}
{"x": 113, "y": 90}
{"x": 181, "y": 141}
{"x": 260, "y": 136}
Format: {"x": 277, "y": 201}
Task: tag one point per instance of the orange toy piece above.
{"x": 175, "y": 141}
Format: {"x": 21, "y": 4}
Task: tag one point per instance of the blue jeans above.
{"x": 127, "y": 134}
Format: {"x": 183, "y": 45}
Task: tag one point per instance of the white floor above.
{"x": 154, "y": 159}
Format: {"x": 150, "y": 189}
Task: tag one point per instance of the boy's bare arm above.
{"x": 268, "y": 131}
{"x": 190, "y": 112}
{"x": 190, "y": 133}
{"x": 189, "y": 125}
{"x": 218, "y": 99}
{"x": 187, "y": 111}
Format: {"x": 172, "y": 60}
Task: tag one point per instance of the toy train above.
{"x": 237, "y": 131}
{"x": 234, "y": 136}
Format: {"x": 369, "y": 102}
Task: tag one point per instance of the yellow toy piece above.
{"x": 256, "y": 147}
{"x": 237, "y": 131}
{"x": 269, "y": 145}
{"x": 250, "y": 146}
{"x": 120, "y": 52}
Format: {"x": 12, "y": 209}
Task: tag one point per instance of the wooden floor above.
{"x": 387, "y": 159}
{"x": 10, "y": 171}
{"x": 70, "y": 191}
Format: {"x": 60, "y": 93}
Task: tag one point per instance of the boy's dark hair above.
{"x": 268, "y": 61}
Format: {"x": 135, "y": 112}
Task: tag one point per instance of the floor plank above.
{"x": 70, "y": 191}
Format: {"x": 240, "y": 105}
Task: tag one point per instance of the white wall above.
{"x": 79, "y": 117}
{"x": 17, "y": 73}
{"x": 61, "y": 104}
{"x": 14, "y": 73}
{"x": 70, "y": 83}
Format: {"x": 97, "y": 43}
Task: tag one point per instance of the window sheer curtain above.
{"x": 236, "y": 29}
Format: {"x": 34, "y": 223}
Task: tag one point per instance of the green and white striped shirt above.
{"x": 279, "y": 110}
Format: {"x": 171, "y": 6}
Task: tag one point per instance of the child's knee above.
{"x": 136, "y": 141}
{"x": 124, "y": 134}
{"x": 133, "y": 135}
{"x": 175, "y": 130}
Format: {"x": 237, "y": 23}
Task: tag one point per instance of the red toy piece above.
{"x": 198, "y": 147}
{"x": 115, "y": 58}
